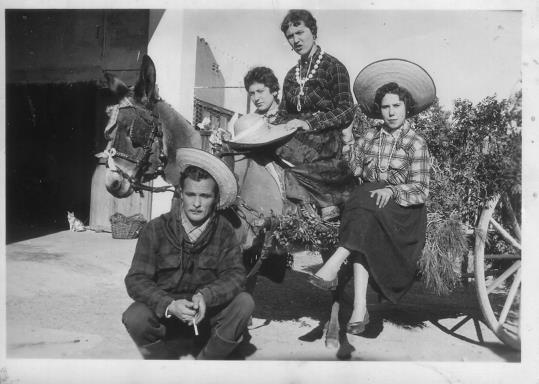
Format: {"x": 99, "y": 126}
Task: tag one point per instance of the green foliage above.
{"x": 308, "y": 229}
{"x": 476, "y": 154}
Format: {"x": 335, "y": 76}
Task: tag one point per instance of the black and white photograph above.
{"x": 291, "y": 191}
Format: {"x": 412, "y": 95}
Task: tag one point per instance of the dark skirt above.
{"x": 320, "y": 174}
{"x": 388, "y": 240}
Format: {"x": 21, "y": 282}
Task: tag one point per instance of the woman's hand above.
{"x": 382, "y": 196}
{"x": 297, "y": 124}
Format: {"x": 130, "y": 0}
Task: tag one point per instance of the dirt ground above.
{"x": 65, "y": 297}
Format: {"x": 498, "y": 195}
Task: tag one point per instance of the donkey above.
{"x": 143, "y": 134}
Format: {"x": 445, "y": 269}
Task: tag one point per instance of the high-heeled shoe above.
{"x": 358, "y": 327}
{"x": 328, "y": 285}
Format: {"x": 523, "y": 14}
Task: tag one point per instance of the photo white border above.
{"x": 120, "y": 371}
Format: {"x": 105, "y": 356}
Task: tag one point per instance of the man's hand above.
{"x": 382, "y": 196}
{"x": 183, "y": 310}
{"x": 297, "y": 124}
{"x": 199, "y": 305}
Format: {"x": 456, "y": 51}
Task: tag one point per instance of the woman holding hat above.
{"x": 384, "y": 222}
{"x": 318, "y": 103}
{"x": 263, "y": 88}
{"x": 256, "y": 131}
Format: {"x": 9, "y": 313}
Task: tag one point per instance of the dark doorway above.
{"x": 50, "y": 145}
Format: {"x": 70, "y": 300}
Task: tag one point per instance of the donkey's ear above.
{"x": 145, "y": 88}
{"x": 116, "y": 85}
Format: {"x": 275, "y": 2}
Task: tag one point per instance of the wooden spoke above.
{"x": 510, "y": 298}
{"x": 505, "y": 234}
{"x": 500, "y": 279}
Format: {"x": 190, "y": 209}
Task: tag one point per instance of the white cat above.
{"x": 75, "y": 224}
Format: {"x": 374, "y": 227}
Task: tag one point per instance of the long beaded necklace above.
{"x": 384, "y": 170}
{"x": 308, "y": 75}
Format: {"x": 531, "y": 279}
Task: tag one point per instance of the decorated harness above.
{"x": 146, "y": 135}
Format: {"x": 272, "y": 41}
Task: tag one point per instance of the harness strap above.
{"x": 143, "y": 161}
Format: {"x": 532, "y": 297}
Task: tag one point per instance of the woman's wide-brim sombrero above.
{"x": 251, "y": 131}
{"x": 223, "y": 176}
{"x": 406, "y": 74}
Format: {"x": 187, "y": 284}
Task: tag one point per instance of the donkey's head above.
{"x": 134, "y": 149}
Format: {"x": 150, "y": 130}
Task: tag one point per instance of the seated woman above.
{"x": 384, "y": 222}
{"x": 318, "y": 103}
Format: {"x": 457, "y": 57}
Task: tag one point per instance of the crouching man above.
{"x": 187, "y": 271}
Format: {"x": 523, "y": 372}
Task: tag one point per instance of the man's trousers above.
{"x": 219, "y": 332}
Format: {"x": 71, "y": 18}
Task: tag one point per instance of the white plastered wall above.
{"x": 172, "y": 48}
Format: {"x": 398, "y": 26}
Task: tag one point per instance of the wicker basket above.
{"x": 124, "y": 227}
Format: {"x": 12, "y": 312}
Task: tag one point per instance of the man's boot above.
{"x": 166, "y": 349}
{"x": 155, "y": 351}
{"x": 217, "y": 349}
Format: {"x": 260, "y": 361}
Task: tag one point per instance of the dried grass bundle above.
{"x": 442, "y": 255}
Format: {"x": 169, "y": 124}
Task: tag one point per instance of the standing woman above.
{"x": 318, "y": 103}
{"x": 384, "y": 222}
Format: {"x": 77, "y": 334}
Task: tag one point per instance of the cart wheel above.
{"x": 497, "y": 273}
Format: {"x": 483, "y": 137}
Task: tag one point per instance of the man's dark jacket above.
{"x": 167, "y": 266}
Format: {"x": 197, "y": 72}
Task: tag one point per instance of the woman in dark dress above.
{"x": 384, "y": 222}
{"x": 318, "y": 103}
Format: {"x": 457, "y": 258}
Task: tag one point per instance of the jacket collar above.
{"x": 175, "y": 232}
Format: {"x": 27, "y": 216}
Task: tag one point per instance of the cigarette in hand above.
{"x": 195, "y": 327}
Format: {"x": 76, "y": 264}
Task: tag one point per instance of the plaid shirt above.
{"x": 167, "y": 266}
{"x": 407, "y": 174}
{"x": 327, "y": 98}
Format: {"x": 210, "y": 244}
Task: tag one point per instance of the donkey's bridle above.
{"x": 142, "y": 162}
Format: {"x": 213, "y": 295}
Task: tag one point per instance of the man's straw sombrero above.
{"x": 254, "y": 131}
{"x": 226, "y": 182}
{"x": 405, "y": 73}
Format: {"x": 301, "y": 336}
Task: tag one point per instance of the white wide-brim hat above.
{"x": 253, "y": 130}
{"x": 406, "y": 74}
{"x": 223, "y": 176}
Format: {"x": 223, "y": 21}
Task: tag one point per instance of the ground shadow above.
{"x": 295, "y": 298}
{"x": 189, "y": 347}
{"x": 292, "y": 299}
